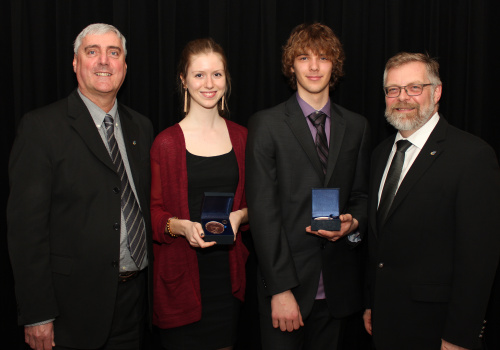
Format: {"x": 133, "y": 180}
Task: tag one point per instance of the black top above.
{"x": 209, "y": 174}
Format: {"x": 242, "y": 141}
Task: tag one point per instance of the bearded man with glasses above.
{"x": 433, "y": 230}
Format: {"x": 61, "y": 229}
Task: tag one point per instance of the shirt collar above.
{"x": 308, "y": 109}
{"x": 97, "y": 113}
{"x": 419, "y": 137}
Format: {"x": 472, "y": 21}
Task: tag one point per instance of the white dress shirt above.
{"x": 418, "y": 140}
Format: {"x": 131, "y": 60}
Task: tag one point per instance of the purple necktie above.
{"x": 318, "y": 119}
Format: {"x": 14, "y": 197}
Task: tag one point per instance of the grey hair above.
{"x": 402, "y": 58}
{"x": 98, "y": 29}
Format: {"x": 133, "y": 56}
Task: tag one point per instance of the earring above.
{"x": 222, "y": 107}
{"x": 185, "y": 99}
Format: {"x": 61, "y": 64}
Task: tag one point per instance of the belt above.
{"x": 128, "y": 275}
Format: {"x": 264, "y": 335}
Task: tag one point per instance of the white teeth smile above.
{"x": 208, "y": 94}
{"x": 103, "y": 74}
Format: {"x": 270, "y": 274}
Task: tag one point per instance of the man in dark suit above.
{"x": 309, "y": 281}
{"x": 434, "y": 233}
{"x": 78, "y": 211}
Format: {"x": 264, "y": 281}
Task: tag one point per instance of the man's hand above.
{"x": 40, "y": 337}
{"x": 285, "y": 312}
{"x": 367, "y": 318}
{"x": 348, "y": 224}
{"x": 449, "y": 346}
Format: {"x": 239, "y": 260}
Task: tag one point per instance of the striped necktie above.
{"x": 133, "y": 217}
{"x": 318, "y": 119}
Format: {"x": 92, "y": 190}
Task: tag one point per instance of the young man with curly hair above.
{"x": 310, "y": 281}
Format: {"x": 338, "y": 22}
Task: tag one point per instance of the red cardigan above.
{"x": 176, "y": 284}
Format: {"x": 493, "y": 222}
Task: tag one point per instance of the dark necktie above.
{"x": 318, "y": 119}
{"x": 392, "y": 180}
{"x": 133, "y": 217}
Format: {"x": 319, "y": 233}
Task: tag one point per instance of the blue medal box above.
{"x": 325, "y": 209}
{"x": 215, "y": 212}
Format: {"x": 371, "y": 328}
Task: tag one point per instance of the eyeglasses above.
{"x": 411, "y": 90}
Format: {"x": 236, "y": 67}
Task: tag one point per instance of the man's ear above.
{"x": 437, "y": 93}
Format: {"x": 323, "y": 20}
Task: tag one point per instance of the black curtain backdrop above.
{"x": 37, "y": 55}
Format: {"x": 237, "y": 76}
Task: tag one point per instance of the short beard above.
{"x": 413, "y": 121}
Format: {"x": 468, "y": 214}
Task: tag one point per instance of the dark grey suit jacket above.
{"x": 432, "y": 263}
{"x": 62, "y": 216}
{"x": 282, "y": 168}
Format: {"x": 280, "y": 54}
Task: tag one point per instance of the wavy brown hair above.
{"x": 319, "y": 39}
{"x": 198, "y": 47}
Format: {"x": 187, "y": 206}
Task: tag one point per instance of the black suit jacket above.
{"x": 62, "y": 213}
{"x": 432, "y": 263}
{"x": 282, "y": 168}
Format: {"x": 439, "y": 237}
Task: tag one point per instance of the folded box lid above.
{"x": 217, "y": 205}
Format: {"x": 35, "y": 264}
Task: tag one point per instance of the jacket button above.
{"x": 116, "y": 190}
{"x": 381, "y": 265}
{"x": 116, "y": 226}
{"x": 114, "y": 263}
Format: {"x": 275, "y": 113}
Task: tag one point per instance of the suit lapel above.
{"x": 337, "y": 131}
{"x": 431, "y": 151}
{"x": 84, "y": 125}
{"x": 298, "y": 124}
{"x": 131, "y": 137}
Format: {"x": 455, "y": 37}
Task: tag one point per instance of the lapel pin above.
{"x": 134, "y": 142}
{"x": 433, "y": 153}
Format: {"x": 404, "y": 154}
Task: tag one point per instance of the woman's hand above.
{"x": 236, "y": 218}
{"x": 192, "y": 231}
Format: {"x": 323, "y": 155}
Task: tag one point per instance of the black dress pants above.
{"x": 129, "y": 318}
